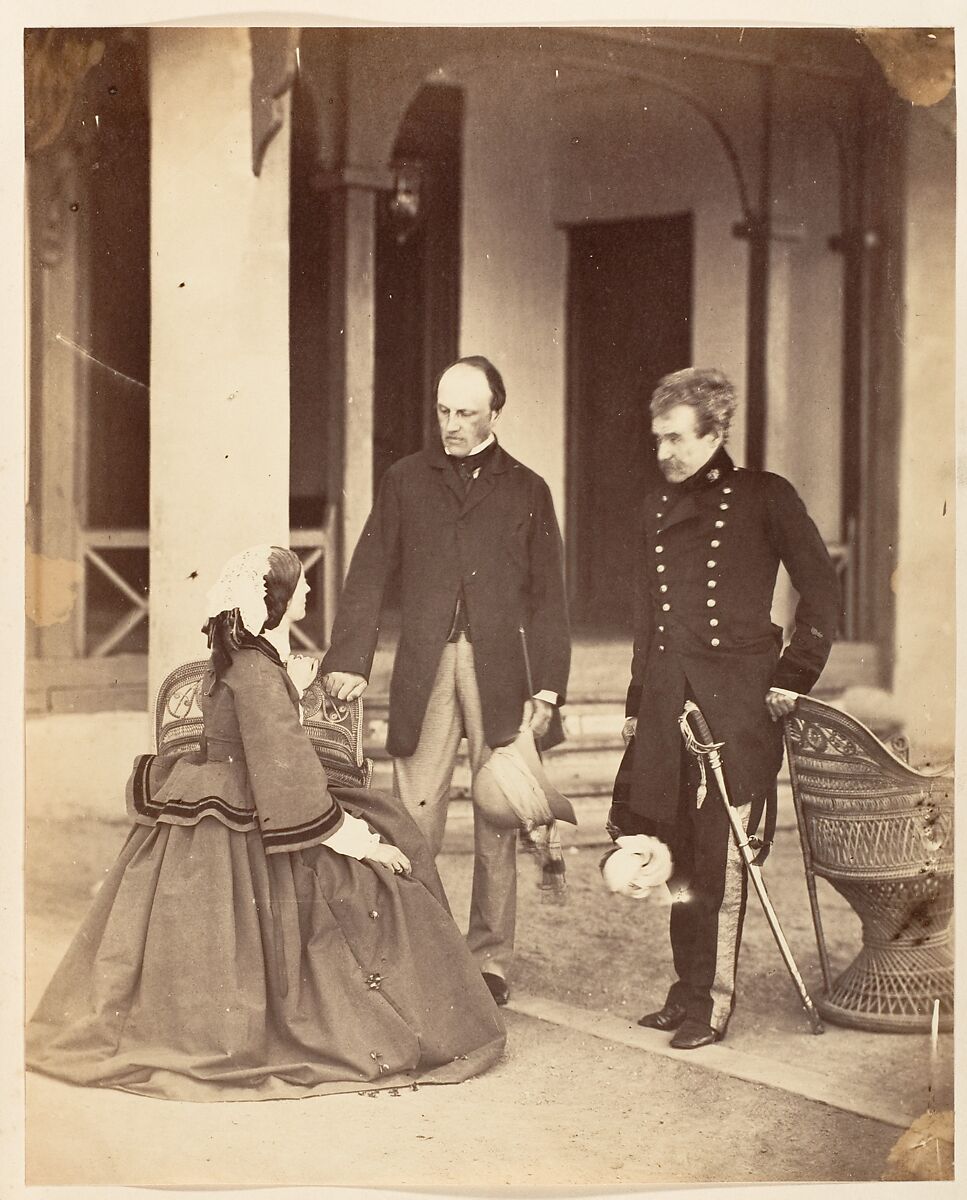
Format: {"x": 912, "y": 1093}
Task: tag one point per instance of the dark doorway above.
{"x": 119, "y": 296}
{"x": 629, "y": 312}
{"x": 116, "y": 465}
{"x": 314, "y": 453}
{"x": 315, "y": 371}
{"x": 417, "y": 274}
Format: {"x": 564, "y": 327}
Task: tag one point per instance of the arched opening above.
{"x": 417, "y": 284}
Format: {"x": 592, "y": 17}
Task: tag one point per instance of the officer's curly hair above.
{"x": 705, "y": 389}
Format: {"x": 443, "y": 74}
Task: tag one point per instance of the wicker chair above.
{"x": 334, "y": 728}
{"x": 882, "y": 834}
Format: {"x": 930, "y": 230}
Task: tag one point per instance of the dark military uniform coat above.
{"x": 708, "y": 559}
{"x": 501, "y": 545}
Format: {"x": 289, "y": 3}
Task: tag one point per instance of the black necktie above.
{"x": 465, "y": 469}
{"x": 469, "y": 467}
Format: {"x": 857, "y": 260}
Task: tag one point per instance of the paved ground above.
{"x": 563, "y": 1110}
{"x": 583, "y": 1099}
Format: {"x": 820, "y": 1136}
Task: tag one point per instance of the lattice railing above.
{"x": 314, "y": 547}
{"x": 94, "y": 543}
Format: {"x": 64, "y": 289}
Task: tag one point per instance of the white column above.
{"x": 360, "y": 249}
{"x": 219, "y": 331}
{"x": 924, "y": 580}
{"x": 56, "y": 574}
{"x": 780, "y": 451}
{"x": 517, "y": 316}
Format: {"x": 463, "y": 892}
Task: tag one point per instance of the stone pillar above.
{"x": 352, "y": 350}
{"x": 219, "y": 330}
{"x": 779, "y": 453}
{"x": 780, "y": 449}
{"x": 359, "y": 232}
{"x": 57, "y": 218}
{"x": 924, "y": 582}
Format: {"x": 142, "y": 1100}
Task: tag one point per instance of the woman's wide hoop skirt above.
{"x": 209, "y": 970}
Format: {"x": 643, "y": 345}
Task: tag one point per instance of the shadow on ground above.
{"x": 564, "y": 1108}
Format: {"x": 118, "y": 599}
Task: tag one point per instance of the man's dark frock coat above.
{"x": 708, "y": 558}
{"x": 501, "y": 544}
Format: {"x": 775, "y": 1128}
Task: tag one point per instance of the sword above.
{"x": 703, "y": 747}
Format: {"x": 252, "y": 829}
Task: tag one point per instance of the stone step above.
{"x": 592, "y": 813}
{"x": 114, "y": 683}
{"x": 600, "y": 669}
{"x": 577, "y": 772}
{"x": 586, "y": 763}
{"x": 589, "y": 726}
{"x": 593, "y": 723}
{"x": 599, "y": 676}
{"x": 583, "y": 774}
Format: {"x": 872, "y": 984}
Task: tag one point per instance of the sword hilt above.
{"x": 693, "y": 713}
{"x": 702, "y": 744}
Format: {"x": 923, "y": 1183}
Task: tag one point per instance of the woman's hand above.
{"x": 390, "y": 856}
{"x": 302, "y": 670}
{"x": 629, "y": 729}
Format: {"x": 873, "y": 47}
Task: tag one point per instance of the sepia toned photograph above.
{"x": 490, "y": 605}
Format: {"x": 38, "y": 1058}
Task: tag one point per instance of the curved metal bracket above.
{"x": 274, "y": 54}
{"x": 718, "y": 129}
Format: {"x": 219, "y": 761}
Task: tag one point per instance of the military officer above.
{"x": 712, "y": 539}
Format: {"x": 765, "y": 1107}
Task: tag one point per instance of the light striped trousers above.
{"x": 422, "y": 782}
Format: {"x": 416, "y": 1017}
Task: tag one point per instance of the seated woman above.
{"x": 262, "y": 936}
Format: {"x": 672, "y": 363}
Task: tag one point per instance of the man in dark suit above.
{"x": 711, "y": 542}
{"x": 473, "y": 536}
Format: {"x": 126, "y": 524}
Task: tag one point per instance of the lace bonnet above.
{"x": 241, "y": 585}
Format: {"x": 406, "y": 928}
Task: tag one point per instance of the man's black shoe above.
{"x": 498, "y": 987}
{"x": 694, "y": 1034}
{"x": 669, "y": 1017}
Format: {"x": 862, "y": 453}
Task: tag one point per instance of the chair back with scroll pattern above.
{"x": 867, "y": 812}
{"x": 335, "y": 728}
{"x": 881, "y": 833}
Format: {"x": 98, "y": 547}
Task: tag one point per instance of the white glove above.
{"x": 302, "y": 670}
{"x": 639, "y": 868}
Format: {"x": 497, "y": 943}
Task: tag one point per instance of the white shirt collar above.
{"x": 477, "y": 449}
